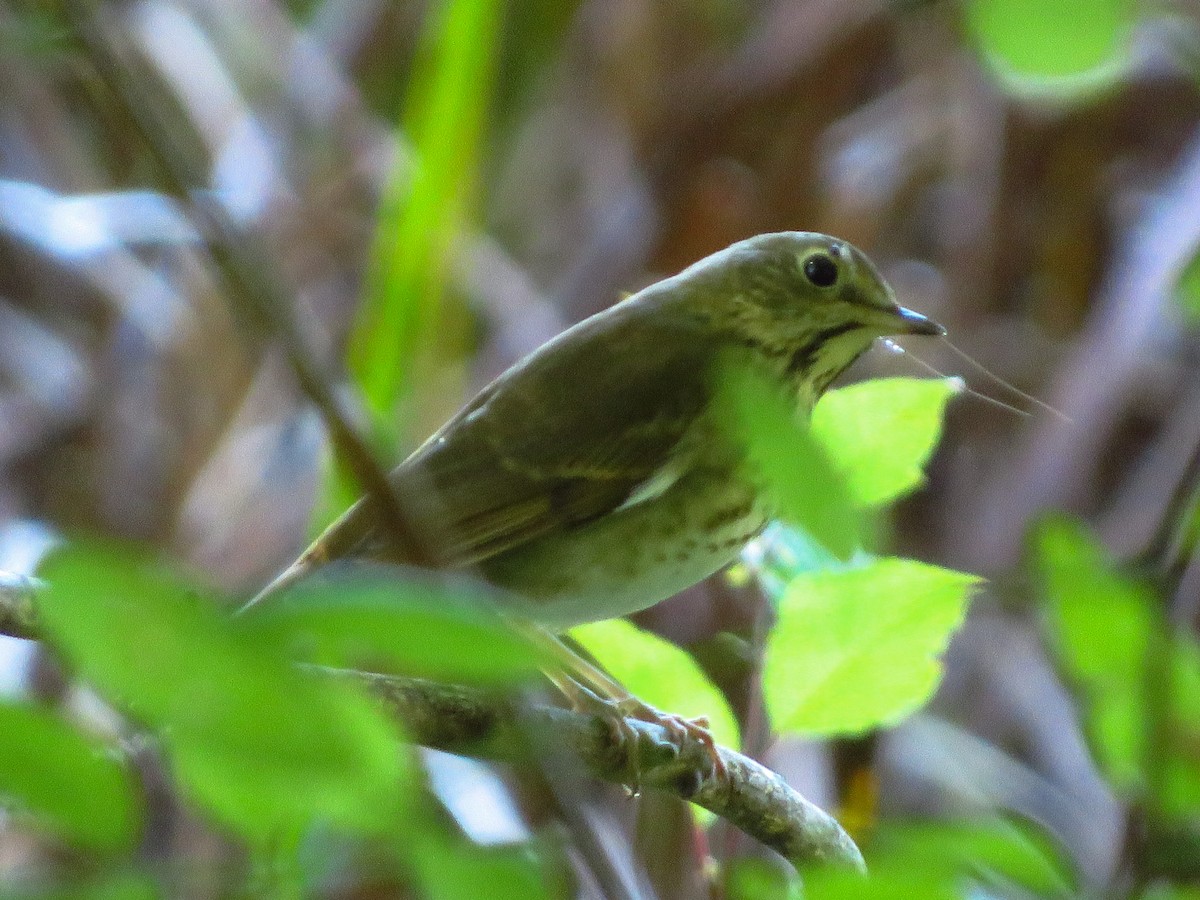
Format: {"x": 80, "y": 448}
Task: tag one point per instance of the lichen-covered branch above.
{"x": 639, "y": 754}
{"x": 751, "y": 796}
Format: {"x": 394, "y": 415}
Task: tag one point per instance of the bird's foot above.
{"x": 617, "y": 712}
{"x": 678, "y": 728}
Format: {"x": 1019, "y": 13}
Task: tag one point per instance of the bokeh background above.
{"x": 471, "y": 177}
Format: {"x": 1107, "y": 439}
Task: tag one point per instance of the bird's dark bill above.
{"x": 919, "y": 324}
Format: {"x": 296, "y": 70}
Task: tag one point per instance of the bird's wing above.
{"x": 567, "y": 436}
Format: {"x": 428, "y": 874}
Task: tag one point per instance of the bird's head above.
{"x": 811, "y": 303}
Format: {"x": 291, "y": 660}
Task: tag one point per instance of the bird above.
{"x": 594, "y": 478}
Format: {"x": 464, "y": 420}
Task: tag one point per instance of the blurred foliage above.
{"x": 381, "y": 619}
{"x": 404, "y": 329}
{"x": 779, "y": 443}
{"x": 953, "y": 860}
{"x": 264, "y": 746}
{"x": 426, "y": 202}
{"x": 275, "y": 753}
{"x": 1188, "y": 292}
{"x": 73, "y": 785}
{"x": 1139, "y": 677}
{"x": 1023, "y": 170}
{"x": 1056, "y": 49}
{"x": 119, "y": 886}
{"x": 943, "y": 860}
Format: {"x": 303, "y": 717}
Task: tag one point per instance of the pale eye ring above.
{"x": 821, "y": 270}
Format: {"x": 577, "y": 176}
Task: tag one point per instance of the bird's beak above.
{"x": 918, "y": 324}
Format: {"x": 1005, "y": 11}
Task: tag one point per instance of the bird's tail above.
{"x": 297, "y": 571}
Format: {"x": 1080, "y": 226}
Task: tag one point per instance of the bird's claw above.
{"x": 678, "y": 728}
{"x": 616, "y": 714}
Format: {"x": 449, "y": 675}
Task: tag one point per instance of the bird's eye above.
{"x": 820, "y": 270}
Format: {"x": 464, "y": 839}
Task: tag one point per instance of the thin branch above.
{"x": 752, "y": 797}
{"x": 474, "y": 723}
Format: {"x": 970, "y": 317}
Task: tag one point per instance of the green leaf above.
{"x": 1065, "y": 48}
{"x": 990, "y": 852}
{"x": 70, "y": 784}
{"x": 1179, "y": 786}
{"x": 859, "y": 648}
{"x": 951, "y": 860}
{"x": 756, "y": 878}
{"x": 1187, "y": 294}
{"x": 450, "y": 870}
{"x": 261, "y": 744}
{"x": 426, "y": 199}
{"x": 894, "y": 884}
{"x": 388, "y": 619}
{"x": 783, "y": 456}
{"x": 107, "y": 886}
{"x": 879, "y": 434}
{"x": 1139, "y": 684}
{"x": 657, "y": 671}
{"x": 405, "y": 330}
{"x": 1102, "y": 625}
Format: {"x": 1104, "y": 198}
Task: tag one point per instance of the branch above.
{"x": 752, "y": 797}
{"x": 473, "y": 723}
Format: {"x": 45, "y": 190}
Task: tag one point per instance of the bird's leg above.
{"x": 584, "y": 700}
{"x": 590, "y": 689}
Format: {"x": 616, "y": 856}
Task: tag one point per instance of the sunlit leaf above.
{"x": 880, "y": 433}
{"x": 387, "y": 619}
{"x": 259, "y": 743}
{"x": 787, "y": 460}
{"x": 1102, "y": 624}
{"x": 859, "y": 648}
{"x": 70, "y": 784}
{"x": 657, "y": 671}
{"x": 1066, "y": 47}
